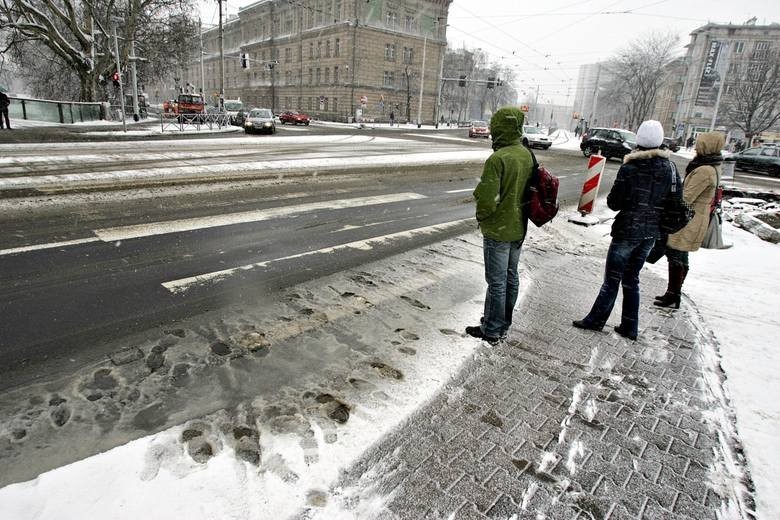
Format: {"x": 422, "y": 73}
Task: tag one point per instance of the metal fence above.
{"x": 183, "y": 122}
{"x": 55, "y": 111}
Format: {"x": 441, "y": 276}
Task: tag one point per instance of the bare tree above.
{"x": 752, "y": 99}
{"x": 74, "y": 36}
{"x": 638, "y": 75}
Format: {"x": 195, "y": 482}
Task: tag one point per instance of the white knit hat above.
{"x": 650, "y": 134}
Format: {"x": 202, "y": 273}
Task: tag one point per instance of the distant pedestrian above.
{"x": 392, "y": 117}
{"x": 641, "y": 185}
{"x": 699, "y": 189}
{"x": 4, "y": 102}
{"x": 689, "y": 143}
{"x": 499, "y": 196}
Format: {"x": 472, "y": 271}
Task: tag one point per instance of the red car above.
{"x": 479, "y": 129}
{"x": 295, "y": 118}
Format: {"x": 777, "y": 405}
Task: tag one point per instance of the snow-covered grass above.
{"x": 565, "y": 140}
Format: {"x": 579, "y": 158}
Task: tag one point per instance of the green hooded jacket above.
{"x": 505, "y": 176}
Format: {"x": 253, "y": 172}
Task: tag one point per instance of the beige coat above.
{"x": 698, "y": 192}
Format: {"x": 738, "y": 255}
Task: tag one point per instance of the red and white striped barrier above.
{"x": 590, "y": 189}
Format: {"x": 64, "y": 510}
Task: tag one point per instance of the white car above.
{"x": 534, "y": 137}
{"x": 232, "y": 108}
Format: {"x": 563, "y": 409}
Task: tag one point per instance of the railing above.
{"x": 55, "y": 111}
{"x": 188, "y": 121}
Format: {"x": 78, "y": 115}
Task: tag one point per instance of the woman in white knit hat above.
{"x": 641, "y": 185}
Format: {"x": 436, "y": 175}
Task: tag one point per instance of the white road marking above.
{"x": 190, "y": 224}
{"x": 51, "y": 245}
{"x": 182, "y": 284}
{"x": 460, "y": 191}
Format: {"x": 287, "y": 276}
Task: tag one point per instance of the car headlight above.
{"x": 248, "y": 123}
{"x": 267, "y": 123}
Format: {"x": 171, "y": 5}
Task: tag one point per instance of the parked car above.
{"x": 763, "y": 159}
{"x": 479, "y": 129}
{"x": 295, "y": 118}
{"x": 612, "y": 142}
{"x": 260, "y": 120}
{"x": 534, "y": 137}
{"x": 671, "y": 143}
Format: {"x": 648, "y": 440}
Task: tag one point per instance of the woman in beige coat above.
{"x": 699, "y": 187}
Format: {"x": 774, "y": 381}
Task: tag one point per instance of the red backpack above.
{"x": 542, "y": 196}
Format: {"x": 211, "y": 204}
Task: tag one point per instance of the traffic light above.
{"x": 499, "y": 82}
{"x": 244, "y": 60}
{"x": 462, "y": 80}
{"x": 491, "y": 82}
{"x": 115, "y": 78}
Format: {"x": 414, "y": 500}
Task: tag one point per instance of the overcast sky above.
{"x": 546, "y": 41}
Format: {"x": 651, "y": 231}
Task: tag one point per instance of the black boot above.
{"x": 668, "y": 292}
{"x": 677, "y": 274}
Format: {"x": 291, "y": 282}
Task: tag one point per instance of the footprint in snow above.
{"x": 415, "y": 303}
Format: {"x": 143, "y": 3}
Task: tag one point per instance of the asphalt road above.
{"x": 79, "y": 272}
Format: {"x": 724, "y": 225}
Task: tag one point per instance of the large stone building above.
{"x": 330, "y": 57}
{"x": 591, "y": 104}
{"x": 718, "y": 56}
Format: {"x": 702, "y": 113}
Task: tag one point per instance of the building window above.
{"x": 311, "y": 50}
{"x": 409, "y": 24}
{"x": 337, "y": 10}
{"x": 287, "y": 55}
{"x": 389, "y": 79}
{"x": 739, "y": 47}
{"x": 389, "y": 52}
{"x": 335, "y": 104}
{"x": 309, "y": 104}
{"x": 335, "y": 75}
{"x": 327, "y": 75}
{"x": 761, "y": 51}
{"x": 337, "y": 48}
{"x": 288, "y": 77}
{"x": 327, "y": 49}
{"x": 318, "y": 76}
{"x": 311, "y": 76}
{"x": 391, "y": 20}
{"x": 408, "y": 55}
{"x": 319, "y": 50}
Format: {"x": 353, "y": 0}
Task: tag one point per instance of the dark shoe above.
{"x": 671, "y": 300}
{"x": 581, "y": 324}
{"x": 663, "y": 296}
{"x": 476, "y": 332}
{"x": 620, "y": 330}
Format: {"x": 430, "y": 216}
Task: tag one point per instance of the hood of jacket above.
{"x": 506, "y": 127}
{"x": 646, "y": 154}
{"x": 709, "y": 143}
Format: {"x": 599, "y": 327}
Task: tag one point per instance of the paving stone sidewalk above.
{"x": 560, "y": 423}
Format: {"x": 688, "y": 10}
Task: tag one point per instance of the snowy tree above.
{"x": 638, "y": 73}
{"x": 68, "y": 42}
{"x": 752, "y": 98}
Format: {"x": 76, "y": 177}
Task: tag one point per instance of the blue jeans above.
{"x": 501, "y": 260}
{"x": 625, "y": 259}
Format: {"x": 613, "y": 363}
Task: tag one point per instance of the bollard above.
{"x": 590, "y": 190}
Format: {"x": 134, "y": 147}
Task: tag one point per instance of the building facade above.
{"x": 330, "y": 58}
{"x": 669, "y": 94}
{"x": 717, "y": 56}
{"x": 591, "y": 101}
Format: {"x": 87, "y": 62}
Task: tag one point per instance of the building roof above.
{"x": 742, "y": 26}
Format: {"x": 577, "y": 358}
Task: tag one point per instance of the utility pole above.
{"x": 202, "y": 74}
{"x": 221, "y": 60}
{"x": 440, "y": 84}
{"x": 119, "y": 71}
{"x": 134, "y": 79}
{"x": 422, "y": 83}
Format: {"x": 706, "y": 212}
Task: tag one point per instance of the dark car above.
{"x": 260, "y": 120}
{"x": 671, "y": 143}
{"x": 763, "y": 159}
{"x": 295, "y": 118}
{"x": 612, "y": 142}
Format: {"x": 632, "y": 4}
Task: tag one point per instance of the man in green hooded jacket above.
{"x": 499, "y": 197}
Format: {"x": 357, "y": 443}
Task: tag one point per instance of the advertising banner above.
{"x": 710, "y": 79}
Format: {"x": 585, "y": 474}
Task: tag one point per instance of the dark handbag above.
{"x": 658, "y": 251}
{"x": 675, "y": 214}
